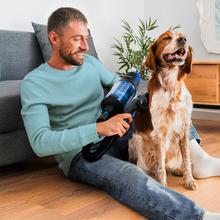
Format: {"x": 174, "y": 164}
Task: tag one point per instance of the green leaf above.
{"x": 121, "y": 67}
{"x": 175, "y": 27}
{"x": 132, "y": 50}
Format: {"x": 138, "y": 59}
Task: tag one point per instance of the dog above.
{"x": 160, "y": 144}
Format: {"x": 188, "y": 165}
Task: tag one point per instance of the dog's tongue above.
{"x": 174, "y": 56}
{"x": 170, "y": 57}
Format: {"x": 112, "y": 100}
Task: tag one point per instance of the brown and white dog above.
{"x": 161, "y": 141}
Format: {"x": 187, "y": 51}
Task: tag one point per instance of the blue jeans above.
{"x": 128, "y": 184}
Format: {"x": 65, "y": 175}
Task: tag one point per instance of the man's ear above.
{"x": 187, "y": 66}
{"x": 53, "y": 38}
{"x": 150, "y": 62}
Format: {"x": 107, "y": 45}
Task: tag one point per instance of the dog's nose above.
{"x": 181, "y": 40}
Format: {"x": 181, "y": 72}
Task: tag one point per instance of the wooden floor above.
{"x": 36, "y": 189}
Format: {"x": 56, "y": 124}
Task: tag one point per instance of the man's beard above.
{"x": 70, "y": 59}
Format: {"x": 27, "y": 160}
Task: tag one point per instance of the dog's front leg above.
{"x": 188, "y": 179}
{"x": 160, "y": 150}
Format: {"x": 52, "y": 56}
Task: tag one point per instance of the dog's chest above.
{"x": 171, "y": 109}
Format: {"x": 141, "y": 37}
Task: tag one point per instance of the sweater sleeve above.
{"x": 107, "y": 77}
{"x": 43, "y": 139}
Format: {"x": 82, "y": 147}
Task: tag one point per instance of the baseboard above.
{"x": 208, "y": 114}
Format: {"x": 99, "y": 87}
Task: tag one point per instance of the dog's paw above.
{"x": 161, "y": 176}
{"x": 163, "y": 182}
{"x": 190, "y": 184}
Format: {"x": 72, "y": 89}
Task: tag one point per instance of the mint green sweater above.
{"x": 60, "y": 108}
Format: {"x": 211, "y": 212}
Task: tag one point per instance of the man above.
{"x": 60, "y": 104}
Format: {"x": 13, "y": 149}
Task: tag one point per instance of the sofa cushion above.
{"x": 19, "y": 54}
{"x": 10, "y": 106}
{"x": 41, "y": 34}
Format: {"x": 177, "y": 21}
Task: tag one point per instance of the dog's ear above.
{"x": 150, "y": 62}
{"x": 188, "y": 62}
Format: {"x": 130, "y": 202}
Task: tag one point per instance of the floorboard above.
{"x": 36, "y": 189}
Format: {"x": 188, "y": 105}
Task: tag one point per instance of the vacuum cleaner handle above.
{"x": 93, "y": 152}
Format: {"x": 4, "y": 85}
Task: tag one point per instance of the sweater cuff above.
{"x": 88, "y": 134}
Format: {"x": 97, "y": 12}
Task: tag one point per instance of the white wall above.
{"x": 173, "y": 12}
{"x": 103, "y": 16}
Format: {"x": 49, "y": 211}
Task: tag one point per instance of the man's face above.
{"x": 73, "y": 43}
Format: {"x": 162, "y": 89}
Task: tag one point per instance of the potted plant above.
{"x": 133, "y": 48}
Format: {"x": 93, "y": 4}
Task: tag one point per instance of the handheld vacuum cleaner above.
{"x": 118, "y": 100}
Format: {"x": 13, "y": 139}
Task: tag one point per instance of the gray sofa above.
{"x": 20, "y": 53}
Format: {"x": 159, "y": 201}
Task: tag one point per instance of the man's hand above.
{"x": 115, "y": 125}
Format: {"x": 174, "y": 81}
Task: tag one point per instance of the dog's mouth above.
{"x": 175, "y": 57}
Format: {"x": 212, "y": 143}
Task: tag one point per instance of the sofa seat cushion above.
{"x": 10, "y": 106}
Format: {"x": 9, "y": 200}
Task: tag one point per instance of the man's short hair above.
{"x": 62, "y": 16}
